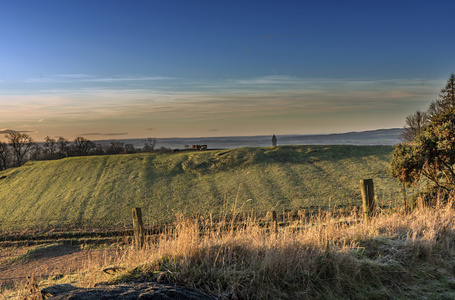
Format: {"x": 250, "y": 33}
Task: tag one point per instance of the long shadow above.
{"x": 296, "y": 154}
{"x": 274, "y": 190}
{"x": 150, "y": 176}
{"x": 303, "y": 185}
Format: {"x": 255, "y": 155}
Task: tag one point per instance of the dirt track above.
{"x": 49, "y": 262}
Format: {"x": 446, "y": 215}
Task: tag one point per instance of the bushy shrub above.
{"x": 431, "y": 153}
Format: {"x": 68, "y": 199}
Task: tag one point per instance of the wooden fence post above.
{"x": 272, "y": 218}
{"x": 367, "y": 189}
{"x": 403, "y": 190}
{"x": 138, "y": 228}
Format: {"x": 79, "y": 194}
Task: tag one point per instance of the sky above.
{"x": 134, "y": 69}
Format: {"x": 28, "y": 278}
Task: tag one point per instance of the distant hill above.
{"x": 372, "y": 137}
{"x": 102, "y": 190}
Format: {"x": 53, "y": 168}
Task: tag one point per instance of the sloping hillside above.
{"x": 101, "y": 190}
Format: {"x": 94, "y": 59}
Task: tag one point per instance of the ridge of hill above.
{"x": 102, "y": 190}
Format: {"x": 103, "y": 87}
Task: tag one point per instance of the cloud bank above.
{"x": 280, "y": 103}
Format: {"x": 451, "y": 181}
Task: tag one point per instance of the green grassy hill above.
{"x": 101, "y": 190}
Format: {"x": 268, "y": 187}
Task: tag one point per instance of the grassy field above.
{"x": 101, "y": 190}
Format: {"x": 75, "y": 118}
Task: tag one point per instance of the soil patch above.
{"x": 44, "y": 261}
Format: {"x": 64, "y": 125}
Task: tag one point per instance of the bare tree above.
{"x": 21, "y": 144}
{"x": 129, "y": 148}
{"x": 149, "y": 144}
{"x": 50, "y": 147}
{"x": 82, "y": 146}
{"x": 415, "y": 124}
{"x": 37, "y": 152}
{"x": 116, "y": 148}
{"x": 62, "y": 146}
{"x": 4, "y": 156}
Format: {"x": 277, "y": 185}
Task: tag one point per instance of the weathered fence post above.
{"x": 367, "y": 189}
{"x": 301, "y": 215}
{"x": 272, "y": 218}
{"x": 403, "y": 190}
{"x": 138, "y": 228}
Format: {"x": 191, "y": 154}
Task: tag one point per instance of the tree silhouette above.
{"x": 62, "y": 146}
{"x": 50, "y": 147}
{"x": 82, "y": 146}
{"x": 116, "y": 148}
{"x": 414, "y": 125}
{"x": 21, "y": 144}
{"x": 149, "y": 144}
{"x": 4, "y": 156}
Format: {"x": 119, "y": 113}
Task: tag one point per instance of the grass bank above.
{"x": 394, "y": 256}
{"x": 100, "y": 191}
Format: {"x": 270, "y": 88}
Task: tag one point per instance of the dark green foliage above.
{"x": 405, "y": 164}
{"x": 435, "y": 148}
{"x": 431, "y": 152}
{"x": 431, "y": 155}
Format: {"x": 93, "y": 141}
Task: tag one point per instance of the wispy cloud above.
{"x": 67, "y": 78}
{"x": 274, "y": 79}
{"x": 331, "y": 83}
{"x": 303, "y": 96}
{"x": 103, "y": 134}
{"x": 8, "y": 131}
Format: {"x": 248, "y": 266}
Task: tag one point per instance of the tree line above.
{"x": 20, "y": 148}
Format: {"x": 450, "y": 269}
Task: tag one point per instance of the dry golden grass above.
{"x": 394, "y": 256}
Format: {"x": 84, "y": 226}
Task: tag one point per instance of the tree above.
{"x": 414, "y": 125}
{"x": 82, "y": 146}
{"x": 149, "y": 144}
{"x": 431, "y": 151}
{"x": 405, "y": 164}
{"x": 432, "y": 154}
{"x": 129, "y": 148}
{"x": 50, "y": 147}
{"x": 36, "y": 152}
{"x": 116, "y": 148}
{"x": 62, "y": 147}
{"x": 21, "y": 144}
{"x": 4, "y": 156}
{"x": 446, "y": 98}
{"x": 447, "y": 94}
{"x": 435, "y": 149}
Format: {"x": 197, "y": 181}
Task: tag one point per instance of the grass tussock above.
{"x": 394, "y": 256}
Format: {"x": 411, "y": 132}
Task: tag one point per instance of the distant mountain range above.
{"x": 371, "y": 137}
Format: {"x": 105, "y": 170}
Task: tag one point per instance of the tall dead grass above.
{"x": 321, "y": 257}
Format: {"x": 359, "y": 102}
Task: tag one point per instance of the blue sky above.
{"x": 132, "y": 69}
